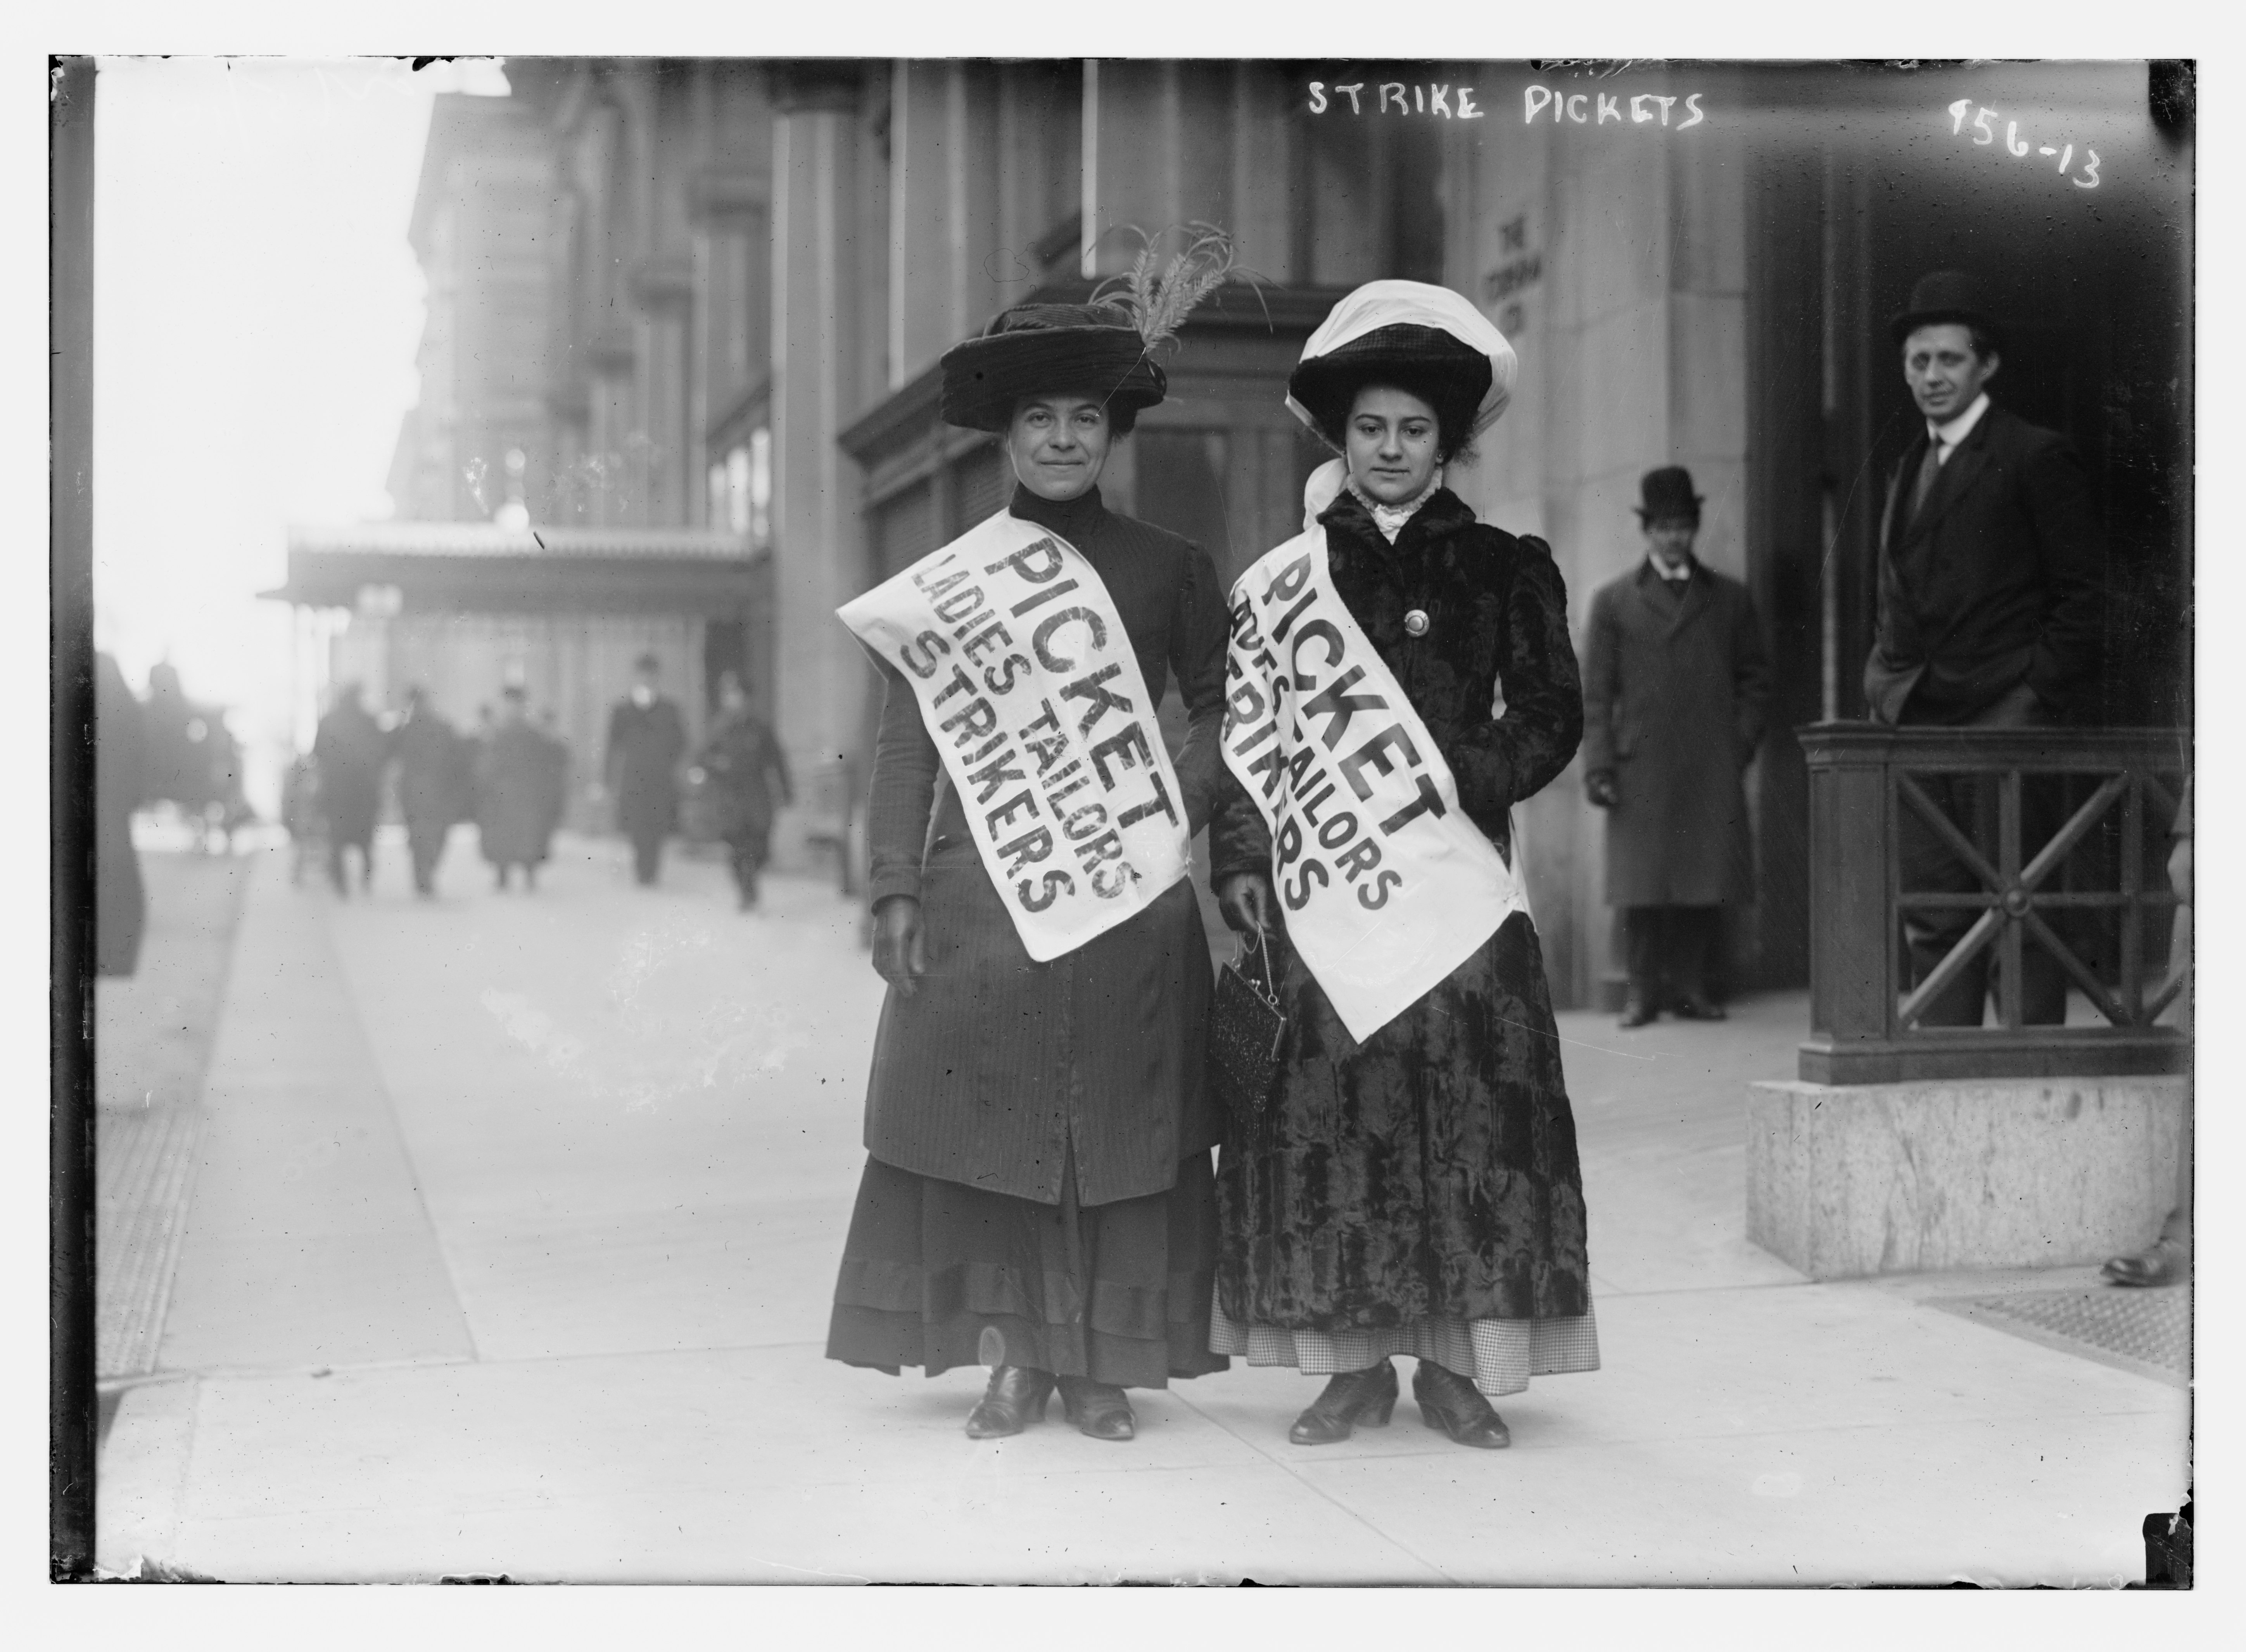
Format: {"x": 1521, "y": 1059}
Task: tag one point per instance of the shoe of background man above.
{"x": 1636, "y": 1013}
{"x": 1692, "y": 1007}
{"x": 2165, "y": 1261}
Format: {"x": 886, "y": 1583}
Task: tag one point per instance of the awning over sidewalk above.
{"x": 468, "y": 568}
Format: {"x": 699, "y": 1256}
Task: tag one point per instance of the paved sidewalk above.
{"x": 511, "y": 1250}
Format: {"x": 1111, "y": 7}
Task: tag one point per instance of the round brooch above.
{"x": 1416, "y": 622}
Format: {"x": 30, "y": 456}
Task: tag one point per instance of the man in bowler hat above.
{"x": 647, "y": 738}
{"x": 1676, "y": 687}
{"x": 1988, "y": 614}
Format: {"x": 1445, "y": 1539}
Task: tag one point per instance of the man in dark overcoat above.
{"x": 748, "y": 781}
{"x": 351, "y": 751}
{"x": 647, "y": 738}
{"x": 433, "y": 784}
{"x": 520, "y": 785}
{"x": 1676, "y": 688}
{"x": 1989, "y": 553}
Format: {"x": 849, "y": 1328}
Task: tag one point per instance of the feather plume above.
{"x": 1155, "y": 298}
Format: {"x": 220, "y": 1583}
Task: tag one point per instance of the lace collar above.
{"x": 1389, "y": 519}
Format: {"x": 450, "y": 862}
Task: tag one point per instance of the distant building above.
{"x": 749, "y": 270}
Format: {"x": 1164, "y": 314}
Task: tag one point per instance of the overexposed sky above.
{"x": 256, "y": 310}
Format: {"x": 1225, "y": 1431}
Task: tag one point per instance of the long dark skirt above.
{"x": 1430, "y": 1173}
{"x": 1119, "y": 1293}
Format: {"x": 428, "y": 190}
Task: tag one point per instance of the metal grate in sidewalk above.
{"x": 2132, "y": 1327}
{"x": 144, "y": 1164}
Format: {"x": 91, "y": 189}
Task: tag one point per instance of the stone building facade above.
{"x": 748, "y": 271}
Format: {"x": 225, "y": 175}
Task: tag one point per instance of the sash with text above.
{"x": 1387, "y": 886}
{"x": 1028, "y": 684}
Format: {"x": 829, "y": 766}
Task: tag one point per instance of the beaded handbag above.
{"x": 1244, "y": 1028}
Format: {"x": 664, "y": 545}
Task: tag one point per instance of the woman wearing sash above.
{"x": 1038, "y": 1193}
{"x": 1417, "y": 1192}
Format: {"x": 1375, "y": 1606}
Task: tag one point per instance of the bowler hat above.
{"x": 1034, "y": 349}
{"x": 1943, "y": 295}
{"x": 1667, "y": 492}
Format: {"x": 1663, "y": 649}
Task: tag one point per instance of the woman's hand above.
{"x": 899, "y": 955}
{"x": 1245, "y": 899}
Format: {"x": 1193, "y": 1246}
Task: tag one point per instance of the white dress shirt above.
{"x": 1945, "y": 438}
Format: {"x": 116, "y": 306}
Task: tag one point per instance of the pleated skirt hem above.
{"x": 939, "y": 1275}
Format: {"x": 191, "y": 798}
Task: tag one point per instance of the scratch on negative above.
{"x": 815, "y": 1571}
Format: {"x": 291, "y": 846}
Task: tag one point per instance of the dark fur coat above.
{"x": 1431, "y": 1171}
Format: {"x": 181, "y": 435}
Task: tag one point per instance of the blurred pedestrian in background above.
{"x": 519, "y": 793}
{"x": 121, "y": 905}
{"x": 1676, "y": 688}
{"x": 302, "y": 817}
{"x": 647, "y": 738}
{"x": 435, "y": 784}
{"x": 350, "y": 750}
{"x": 746, "y": 772}
{"x": 191, "y": 760}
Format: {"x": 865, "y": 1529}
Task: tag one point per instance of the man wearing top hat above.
{"x": 1988, "y": 611}
{"x": 1676, "y": 686}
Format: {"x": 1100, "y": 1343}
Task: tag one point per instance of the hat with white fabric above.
{"x": 1417, "y": 337}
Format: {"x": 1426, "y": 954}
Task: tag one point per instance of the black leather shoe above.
{"x": 2162, "y": 1262}
{"x": 1692, "y": 1007}
{"x": 1450, "y": 1403}
{"x": 1366, "y": 1397}
{"x": 1015, "y": 1399}
{"x": 1636, "y": 1013}
{"x": 1098, "y": 1408}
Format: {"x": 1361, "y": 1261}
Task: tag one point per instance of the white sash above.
{"x": 1030, "y": 689}
{"x": 1387, "y": 886}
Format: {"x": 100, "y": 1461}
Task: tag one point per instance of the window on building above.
{"x": 758, "y": 487}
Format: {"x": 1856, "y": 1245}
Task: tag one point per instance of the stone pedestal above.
{"x": 1847, "y": 1180}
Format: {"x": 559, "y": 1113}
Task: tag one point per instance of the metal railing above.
{"x": 2093, "y": 896}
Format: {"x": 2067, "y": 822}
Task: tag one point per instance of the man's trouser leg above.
{"x": 1644, "y": 933}
{"x": 1691, "y": 938}
{"x": 647, "y": 855}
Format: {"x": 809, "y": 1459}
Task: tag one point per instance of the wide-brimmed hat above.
{"x": 1944, "y": 296}
{"x": 1425, "y": 339}
{"x": 1667, "y": 492}
{"x": 1043, "y": 350}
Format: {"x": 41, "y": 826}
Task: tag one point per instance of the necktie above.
{"x": 1928, "y": 469}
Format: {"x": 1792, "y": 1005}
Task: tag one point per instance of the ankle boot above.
{"x": 1450, "y": 1403}
{"x": 1099, "y": 1410}
{"x": 1366, "y": 1397}
{"x": 1015, "y": 1399}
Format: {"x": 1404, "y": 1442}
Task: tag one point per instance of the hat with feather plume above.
{"x": 1103, "y": 349}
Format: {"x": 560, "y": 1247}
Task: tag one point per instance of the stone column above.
{"x": 818, "y": 539}
{"x": 1158, "y": 153}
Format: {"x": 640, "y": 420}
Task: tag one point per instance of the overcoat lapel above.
{"x": 1699, "y": 591}
{"x": 1645, "y": 591}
